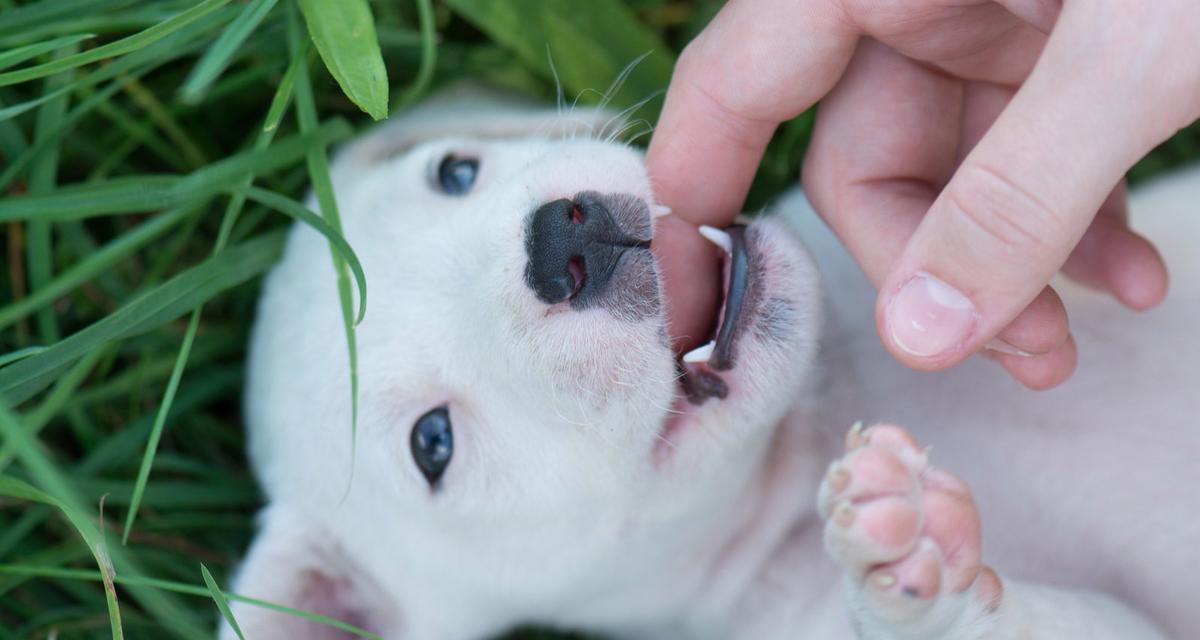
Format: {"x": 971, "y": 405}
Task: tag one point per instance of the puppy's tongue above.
{"x": 691, "y": 273}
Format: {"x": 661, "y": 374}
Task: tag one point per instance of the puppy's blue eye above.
{"x": 456, "y": 175}
{"x": 432, "y": 444}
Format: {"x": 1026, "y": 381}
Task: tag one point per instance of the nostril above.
{"x": 575, "y": 266}
{"x": 575, "y": 245}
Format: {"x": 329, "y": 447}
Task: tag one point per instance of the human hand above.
{"x": 964, "y": 153}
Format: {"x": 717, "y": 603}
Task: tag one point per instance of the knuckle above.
{"x": 1003, "y": 211}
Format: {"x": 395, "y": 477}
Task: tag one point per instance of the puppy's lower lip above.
{"x": 735, "y": 296}
{"x": 699, "y": 366}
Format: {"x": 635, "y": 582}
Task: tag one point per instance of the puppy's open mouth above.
{"x": 700, "y": 368}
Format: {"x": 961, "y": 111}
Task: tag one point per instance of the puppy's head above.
{"x": 518, "y": 399}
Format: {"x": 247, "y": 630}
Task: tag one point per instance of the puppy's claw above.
{"x": 717, "y": 237}
{"x": 660, "y": 210}
{"x": 843, "y": 514}
{"x": 883, "y": 580}
{"x": 838, "y": 477}
{"x": 855, "y": 437}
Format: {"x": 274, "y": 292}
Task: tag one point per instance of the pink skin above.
{"x": 991, "y": 168}
{"x": 909, "y": 531}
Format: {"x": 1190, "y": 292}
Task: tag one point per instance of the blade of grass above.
{"x": 20, "y": 354}
{"x": 424, "y": 77}
{"x": 590, "y": 41}
{"x": 166, "y": 123}
{"x": 217, "y": 58}
{"x": 21, "y": 54}
{"x": 43, "y": 174}
{"x": 119, "y": 47}
{"x": 151, "y": 309}
{"x": 181, "y": 588}
{"x": 284, "y": 94}
{"x": 318, "y": 169}
{"x": 175, "y": 45}
{"x": 344, "y": 33}
{"x": 59, "y": 497}
{"x": 29, "y": 16}
{"x": 63, "y": 388}
{"x": 56, "y": 490}
{"x": 88, "y": 268}
{"x": 219, "y": 599}
{"x": 263, "y": 140}
{"x": 339, "y": 247}
{"x": 129, "y": 68}
{"x": 167, "y": 301}
{"x": 132, "y": 194}
{"x": 160, "y": 421}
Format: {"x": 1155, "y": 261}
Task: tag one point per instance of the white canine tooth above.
{"x": 660, "y": 210}
{"x": 717, "y": 237}
{"x": 700, "y": 354}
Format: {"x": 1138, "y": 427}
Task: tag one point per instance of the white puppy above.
{"x": 527, "y": 451}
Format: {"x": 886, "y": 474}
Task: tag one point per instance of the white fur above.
{"x": 554, "y": 509}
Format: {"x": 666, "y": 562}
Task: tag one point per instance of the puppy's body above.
{"x": 576, "y": 497}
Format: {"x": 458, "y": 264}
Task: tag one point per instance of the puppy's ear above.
{"x": 293, "y": 564}
{"x": 469, "y": 111}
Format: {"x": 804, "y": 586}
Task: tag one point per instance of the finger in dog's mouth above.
{"x": 700, "y": 369}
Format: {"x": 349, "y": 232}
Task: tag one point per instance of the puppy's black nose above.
{"x": 574, "y": 245}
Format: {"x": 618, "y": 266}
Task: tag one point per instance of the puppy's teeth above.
{"x": 660, "y": 210}
{"x": 700, "y": 354}
{"x": 717, "y": 237}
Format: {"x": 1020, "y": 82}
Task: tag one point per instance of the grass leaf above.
{"x": 219, "y": 599}
{"x": 152, "y": 309}
{"x": 21, "y": 54}
{"x": 590, "y": 43}
{"x": 132, "y": 194}
{"x": 176, "y": 587}
{"x": 217, "y": 58}
{"x": 318, "y": 170}
{"x": 344, "y": 32}
{"x": 122, "y": 46}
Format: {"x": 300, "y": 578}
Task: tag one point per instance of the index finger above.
{"x": 758, "y": 63}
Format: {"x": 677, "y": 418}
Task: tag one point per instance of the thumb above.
{"x": 1021, "y": 200}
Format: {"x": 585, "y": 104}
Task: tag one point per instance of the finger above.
{"x": 1042, "y": 326}
{"x": 758, "y": 63}
{"x": 1016, "y": 207}
{"x": 967, "y": 39}
{"x": 872, "y": 173}
{"x": 1043, "y": 371}
{"x": 1114, "y": 259}
{"x": 1110, "y": 257}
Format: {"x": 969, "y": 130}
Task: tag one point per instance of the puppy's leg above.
{"x": 907, "y": 537}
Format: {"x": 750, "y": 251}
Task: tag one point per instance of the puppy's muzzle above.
{"x": 576, "y": 245}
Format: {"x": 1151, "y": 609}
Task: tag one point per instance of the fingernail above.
{"x": 928, "y": 317}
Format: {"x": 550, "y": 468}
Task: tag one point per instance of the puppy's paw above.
{"x": 907, "y": 536}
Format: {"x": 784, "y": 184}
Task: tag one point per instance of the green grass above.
{"x": 152, "y": 152}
